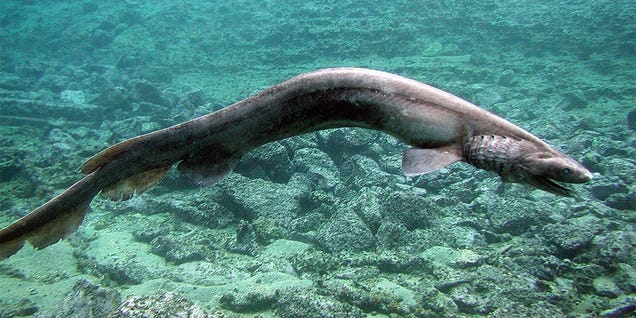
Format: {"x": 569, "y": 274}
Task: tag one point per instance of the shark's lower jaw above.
{"x": 548, "y": 185}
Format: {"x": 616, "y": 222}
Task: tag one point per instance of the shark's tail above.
{"x": 52, "y": 221}
{"x": 63, "y": 214}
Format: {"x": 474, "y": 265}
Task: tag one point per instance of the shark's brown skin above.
{"x": 441, "y": 127}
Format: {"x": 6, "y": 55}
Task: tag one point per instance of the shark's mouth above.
{"x": 547, "y": 184}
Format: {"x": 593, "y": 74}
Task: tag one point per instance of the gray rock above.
{"x": 393, "y": 235}
{"x": 511, "y": 216}
{"x": 269, "y": 162}
{"x": 459, "y": 236}
{"x": 100, "y": 38}
{"x": 367, "y": 206}
{"x": 293, "y": 304}
{"x": 606, "y": 287}
{"x": 359, "y": 171}
{"x": 162, "y": 304}
{"x": 619, "y": 172}
{"x": 623, "y": 201}
{"x": 614, "y": 247}
{"x": 88, "y": 300}
{"x": 199, "y": 210}
{"x": 179, "y": 249}
{"x": 144, "y": 91}
{"x": 245, "y": 240}
{"x": 11, "y": 81}
{"x": 625, "y": 278}
{"x": 603, "y": 191}
{"x": 345, "y": 231}
{"x": 517, "y": 310}
{"x": 193, "y": 99}
{"x": 315, "y": 162}
{"x": 574, "y": 100}
{"x": 248, "y": 302}
{"x": 310, "y": 222}
{"x": 267, "y": 230}
{"x": 408, "y": 208}
{"x": 53, "y": 82}
{"x": 352, "y": 140}
{"x": 22, "y": 307}
{"x": 253, "y": 198}
{"x": 572, "y": 236}
{"x": 438, "y": 256}
{"x": 469, "y": 301}
{"x": 62, "y": 140}
{"x": 620, "y": 308}
{"x": 125, "y": 271}
{"x": 631, "y": 119}
{"x": 112, "y": 98}
{"x": 132, "y": 59}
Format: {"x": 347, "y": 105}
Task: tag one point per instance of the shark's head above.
{"x": 525, "y": 162}
{"x": 541, "y": 169}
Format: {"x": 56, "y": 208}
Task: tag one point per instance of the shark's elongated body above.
{"x": 441, "y": 127}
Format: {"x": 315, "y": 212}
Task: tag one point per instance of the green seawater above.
{"x": 324, "y": 224}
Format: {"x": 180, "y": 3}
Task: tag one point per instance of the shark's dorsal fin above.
{"x": 418, "y": 161}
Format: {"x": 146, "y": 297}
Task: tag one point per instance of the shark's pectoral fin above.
{"x": 417, "y": 161}
{"x": 208, "y": 170}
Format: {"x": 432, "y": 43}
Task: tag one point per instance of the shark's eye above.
{"x": 565, "y": 171}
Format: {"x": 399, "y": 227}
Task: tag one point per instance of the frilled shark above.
{"x": 441, "y": 129}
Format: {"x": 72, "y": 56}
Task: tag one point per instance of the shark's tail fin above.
{"x": 50, "y": 222}
{"x": 63, "y": 214}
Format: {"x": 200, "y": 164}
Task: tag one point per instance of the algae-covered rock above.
{"x": 412, "y": 210}
{"x": 253, "y": 198}
{"x": 631, "y": 119}
{"x": 345, "y": 231}
{"x": 614, "y": 247}
{"x": 124, "y": 271}
{"x": 572, "y": 236}
{"x": 89, "y": 300}
{"x": 161, "y": 304}
{"x": 625, "y": 278}
{"x": 250, "y": 302}
{"x": 269, "y": 162}
{"x": 180, "y": 249}
{"x": 443, "y": 256}
{"x": 144, "y": 91}
{"x": 514, "y": 216}
{"x": 606, "y": 287}
{"x": 619, "y": 308}
{"x": 292, "y": 304}
{"x": 359, "y": 171}
{"x": 392, "y": 235}
{"x": 403, "y": 299}
{"x": 315, "y": 162}
{"x": 199, "y": 210}
{"x": 262, "y": 290}
{"x": 19, "y": 308}
{"x": 244, "y": 241}
{"x": 112, "y": 98}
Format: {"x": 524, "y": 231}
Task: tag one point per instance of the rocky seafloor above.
{"x": 321, "y": 225}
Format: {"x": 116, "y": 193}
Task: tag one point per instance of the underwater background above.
{"x": 324, "y": 224}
